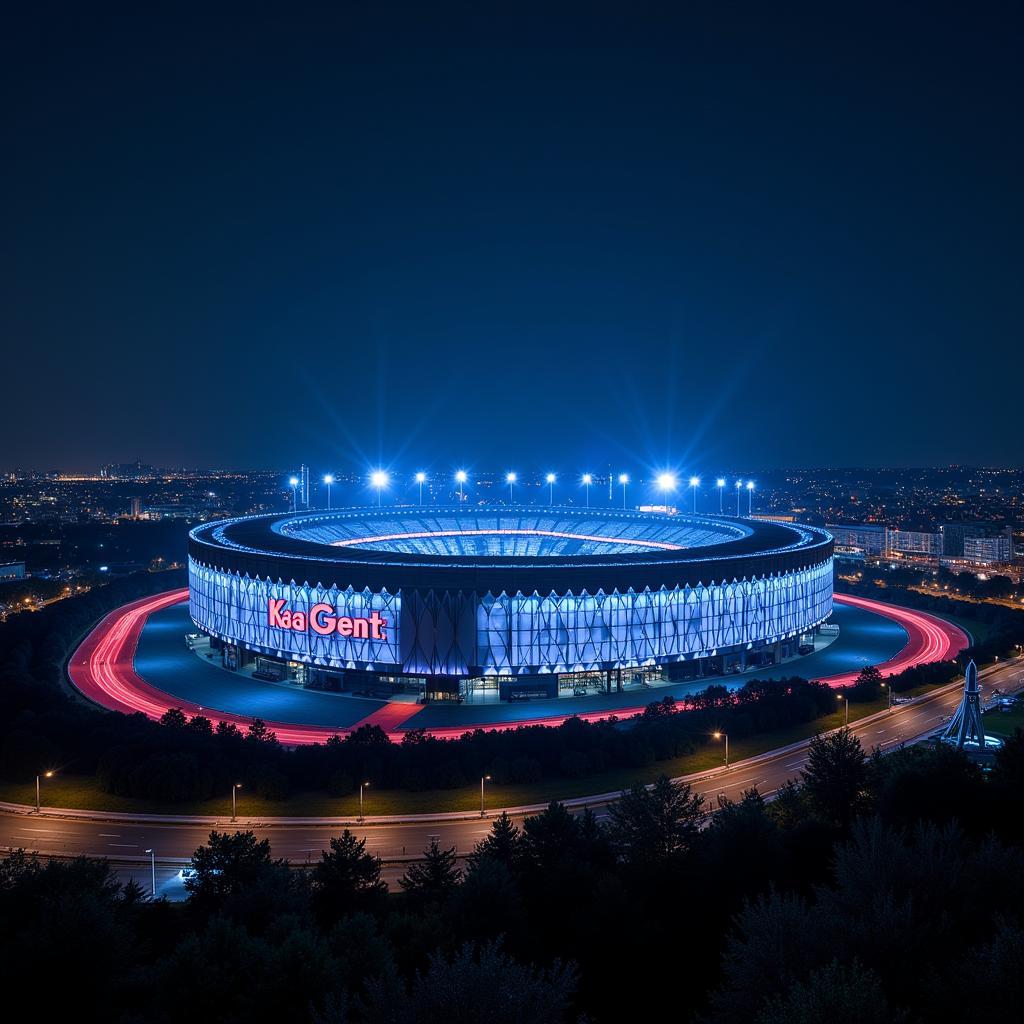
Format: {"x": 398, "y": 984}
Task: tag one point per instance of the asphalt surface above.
{"x": 125, "y": 842}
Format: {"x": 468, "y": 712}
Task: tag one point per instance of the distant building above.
{"x": 858, "y": 540}
{"x": 171, "y": 512}
{"x": 914, "y": 543}
{"x": 988, "y": 550}
{"x": 12, "y": 570}
{"x": 977, "y": 543}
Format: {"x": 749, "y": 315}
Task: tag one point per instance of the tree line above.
{"x": 869, "y": 890}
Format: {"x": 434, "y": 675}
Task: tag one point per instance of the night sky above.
{"x": 511, "y": 235}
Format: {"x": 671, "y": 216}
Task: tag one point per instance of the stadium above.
{"x": 478, "y": 605}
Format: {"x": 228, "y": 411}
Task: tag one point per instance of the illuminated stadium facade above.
{"x": 516, "y": 602}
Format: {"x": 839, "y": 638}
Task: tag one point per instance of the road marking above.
{"x": 109, "y": 835}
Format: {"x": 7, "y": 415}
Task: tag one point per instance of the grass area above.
{"x": 1002, "y": 723}
{"x": 81, "y": 792}
{"x": 978, "y": 631}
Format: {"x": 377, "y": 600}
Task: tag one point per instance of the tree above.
{"x": 656, "y": 825}
{"x": 836, "y": 775}
{"x": 556, "y": 838}
{"x": 433, "y": 878}
{"x": 259, "y": 733}
{"x": 174, "y": 718}
{"x": 773, "y": 944}
{"x": 838, "y": 993}
{"x": 476, "y": 986}
{"x": 347, "y": 878}
{"x": 229, "y": 864}
{"x": 501, "y": 844}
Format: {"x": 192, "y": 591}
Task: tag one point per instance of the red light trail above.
{"x": 103, "y": 669}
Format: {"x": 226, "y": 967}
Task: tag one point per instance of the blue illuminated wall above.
{"x": 458, "y": 633}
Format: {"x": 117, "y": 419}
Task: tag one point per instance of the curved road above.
{"x": 104, "y": 669}
{"x": 124, "y": 839}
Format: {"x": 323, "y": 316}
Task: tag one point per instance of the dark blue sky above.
{"x": 745, "y": 235}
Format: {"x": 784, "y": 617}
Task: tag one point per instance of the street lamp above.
{"x": 362, "y": 786}
{"x": 460, "y": 479}
{"x": 888, "y": 688}
{"x": 45, "y": 775}
{"x": 723, "y": 736}
{"x": 623, "y": 479}
{"x": 846, "y": 720}
{"x": 379, "y": 479}
{"x": 234, "y": 800}
{"x": 420, "y": 479}
{"x": 482, "y": 778}
{"x": 695, "y": 483}
{"x": 720, "y": 484}
{"x": 328, "y": 479}
{"x": 587, "y": 481}
{"x": 510, "y": 479}
{"x": 750, "y": 497}
{"x": 152, "y": 868}
{"x": 739, "y": 487}
{"x": 293, "y": 483}
{"x": 551, "y": 488}
{"x": 666, "y": 482}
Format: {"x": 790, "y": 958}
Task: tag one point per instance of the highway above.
{"x": 124, "y": 841}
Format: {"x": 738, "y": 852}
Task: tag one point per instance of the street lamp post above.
{"x": 328, "y": 479}
{"x": 623, "y": 479}
{"x": 234, "y": 800}
{"x": 482, "y": 779}
{"x": 694, "y": 483}
{"x": 551, "y": 488}
{"x": 750, "y": 498}
{"x": 587, "y": 481}
{"x": 420, "y": 478}
{"x": 739, "y": 487}
{"x": 45, "y": 775}
{"x": 152, "y": 869}
{"x": 460, "y": 479}
{"x": 721, "y": 485}
{"x": 510, "y": 479}
{"x": 293, "y": 483}
{"x": 846, "y": 717}
{"x": 362, "y": 786}
{"x": 723, "y": 736}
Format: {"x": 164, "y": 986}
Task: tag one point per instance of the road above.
{"x": 125, "y": 841}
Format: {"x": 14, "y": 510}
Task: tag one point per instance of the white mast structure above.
{"x": 965, "y": 726}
